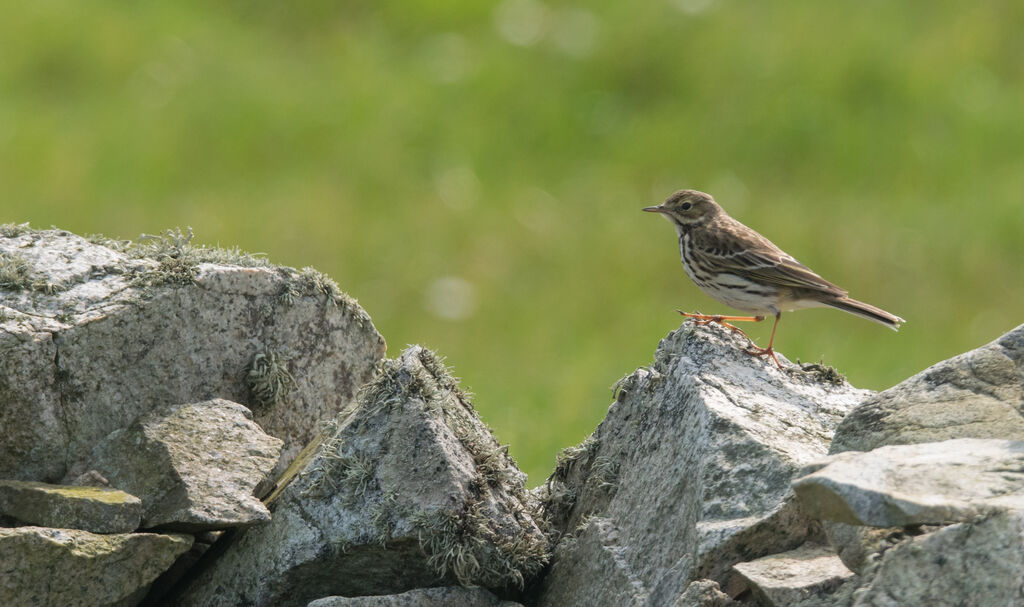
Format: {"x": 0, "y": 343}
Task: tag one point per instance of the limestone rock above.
{"x": 447, "y": 596}
{"x": 964, "y": 565}
{"x": 688, "y": 474}
{"x": 69, "y": 507}
{"x": 71, "y": 567}
{"x": 809, "y": 573}
{"x": 930, "y": 483}
{"x": 407, "y": 489}
{"x": 96, "y": 333}
{"x": 978, "y": 394}
{"x": 195, "y": 466}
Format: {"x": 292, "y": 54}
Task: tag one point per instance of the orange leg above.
{"x": 755, "y": 351}
{"x": 703, "y": 319}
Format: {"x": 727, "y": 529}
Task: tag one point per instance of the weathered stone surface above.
{"x": 978, "y": 394}
{"x": 963, "y": 565}
{"x": 447, "y": 596}
{"x": 809, "y": 573}
{"x": 71, "y": 567}
{"x": 93, "y": 335}
{"x": 930, "y": 483}
{"x": 704, "y": 593}
{"x": 689, "y": 473}
{"x": 408, "y": 489}
{"x": 195, "y": 466}
{"x": 857, "y": 546}
{"x": 69, "y": 507}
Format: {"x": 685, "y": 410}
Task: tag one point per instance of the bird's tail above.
{"x": 867, "y": 311}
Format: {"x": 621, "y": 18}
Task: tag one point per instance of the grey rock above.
{"x": 930, "y": 483}
{"x": 964, "y": 565}
{"x": 71, "y": 567}
{"x": 857, "y": 546}
{"x": 195, "y": 466}
{"x": 407, "y": 489}
{"x": 688, "y": 474}
{"x": 978, "y": 394}
{"x": 94, "y": 334}
{"x": 69, "y": 507}
{"x": 446, "y": 596}
{"x": 809, "y": 573}
{"x": 90, "y": 478}
{"x": 704, "y": 593}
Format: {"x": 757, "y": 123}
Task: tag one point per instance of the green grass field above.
{"x": 473, "y": 172}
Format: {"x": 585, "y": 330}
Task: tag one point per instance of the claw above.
{"x": 755, "y": 351}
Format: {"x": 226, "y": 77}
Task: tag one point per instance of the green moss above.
{"x": 108, "y": 496}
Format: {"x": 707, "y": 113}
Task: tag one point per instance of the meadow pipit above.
{"x": 744, "y": 270}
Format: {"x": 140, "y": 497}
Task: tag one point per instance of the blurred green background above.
{"x": 473, "y": 172}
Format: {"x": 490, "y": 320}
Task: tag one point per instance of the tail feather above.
{"x": 859, "y": 308}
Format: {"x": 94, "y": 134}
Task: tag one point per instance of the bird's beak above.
{"x": 654, "y": 209}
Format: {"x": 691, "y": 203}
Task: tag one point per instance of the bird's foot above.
{"x": 755, "y": 351}
{"x": 703, "y": 319}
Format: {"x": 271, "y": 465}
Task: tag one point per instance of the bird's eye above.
{"x": 686, "y": 206}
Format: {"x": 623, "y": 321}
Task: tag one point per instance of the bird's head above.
{"x": 687, "y": 208}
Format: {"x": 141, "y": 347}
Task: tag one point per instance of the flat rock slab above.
{"x": 447, "y": 596}
{"x": 978, "y": 394}
{"x": 930, "y": 483}
{"x": 93, "y": 509}
{"x": 408, "y": 489}
{"x": 72, "y": 568}
{"x": 195, "y": 466}
{"x": 688, "y": 474}
{"x": 94, "y": 333}
{"x": 809, "y": 573}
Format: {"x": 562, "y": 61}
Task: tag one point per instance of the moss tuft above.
{"x": 13, "y": 230}
{"x": 467, "y": 546}
{"x": 823, "y": 372}
{"x": 16, "y": 275}
{"x": 604, "y": 473}
{"x": 312, "y": 282}
{"x": 178, "y": 258}
{"x": 569, "y": 455}
{"x": 268, "y": 379}
{"x": 333, "y": 471}
{"x": 382, "y": 518}
{"x": 15, "y": 272}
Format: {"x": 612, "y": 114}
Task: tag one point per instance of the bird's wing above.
{"x": 742, "y": 251}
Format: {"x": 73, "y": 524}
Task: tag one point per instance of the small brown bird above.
{"x": 742, "y": 269}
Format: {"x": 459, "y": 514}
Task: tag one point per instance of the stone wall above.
{"x": 194, "y": 426}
